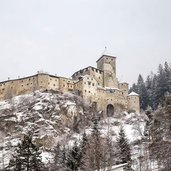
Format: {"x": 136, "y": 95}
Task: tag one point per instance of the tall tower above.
{"x": 108, "y": 64}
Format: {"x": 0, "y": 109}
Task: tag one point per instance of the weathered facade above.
{"x": 98, "y": 86}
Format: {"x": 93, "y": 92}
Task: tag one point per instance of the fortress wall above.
{"x": 106, "y": 60}
{"x": 40, "y": 81}
{"x": 27, "y": 85}
{"x": 78, "y": 86}
{"x": 124, "y": 88}
{"x": 133, "y": 103}
{"x": 80, "y": 73}
{"x": 97, "y": 75}
{"x": 52, "y": 83}
{"x": 16, "y": 87}
{"x": 66, "y": 84}
{"x": 6, "y": 90}
{"x": 93, "y": 84}
{"x": 108, "y": 65}
{"x": 89, "y": 88}
{"x": 115, "y": 98}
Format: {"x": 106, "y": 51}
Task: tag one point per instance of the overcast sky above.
{"x": 63, "y": 36}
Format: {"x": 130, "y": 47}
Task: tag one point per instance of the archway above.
{"x": 110, "y": 110}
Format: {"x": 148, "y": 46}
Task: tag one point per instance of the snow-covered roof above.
{"x": 133, "y": 94}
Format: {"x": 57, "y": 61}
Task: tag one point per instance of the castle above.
{"x": 98, "y": 86}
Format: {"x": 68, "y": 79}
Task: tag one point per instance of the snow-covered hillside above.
{"x": 55, "y": 117}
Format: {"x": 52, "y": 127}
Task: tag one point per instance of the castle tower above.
{"x": 134, "y": 102}
{"x": 108, "y": 64}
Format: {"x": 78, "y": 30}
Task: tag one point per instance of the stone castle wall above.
{"x": 40, "y": 81}
{"x": 96, "y": 85}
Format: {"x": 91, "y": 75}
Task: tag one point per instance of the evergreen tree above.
{"x": 97, "y": 147}
{"x": 83, "y": 153}
{"x": 154, "y": 89}
{"x": 73, "y": 158}
{"x": 142, "y": 92}
{"x": 27, "y": 156}
{"x": 160, "y": 145}
{"x": 59, "y": 157}
{"x": 124, "y": 148}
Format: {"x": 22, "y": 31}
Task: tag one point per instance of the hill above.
{"x": 54, "y": 117}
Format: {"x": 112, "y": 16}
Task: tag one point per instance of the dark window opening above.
{"x": 110, "y": 110}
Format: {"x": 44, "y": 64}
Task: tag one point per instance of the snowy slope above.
{"x": 56, "y": 117}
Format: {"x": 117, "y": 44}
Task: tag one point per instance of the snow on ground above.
{"x": 43, "y": 113}
{"x": 4, "y": 105}
{"x": 47, "y": 157}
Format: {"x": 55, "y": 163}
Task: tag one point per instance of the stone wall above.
{"x": 108, "y": 65}
{"x": 94, "y": 72}
{"x": 98, "y": 85}
{"x": 133, "y": 103}
{"x": 16, "y": 87}
{"x": 40, "y": 81}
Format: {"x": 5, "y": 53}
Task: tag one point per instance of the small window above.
{"x": 85, "y": 90}
{"x": 89, "y": 83}
{"x": 53, "y": 84}
{"x": 93, "y": 84}
{"x": 63, "y": 85}
{"x": 89, "y": 91}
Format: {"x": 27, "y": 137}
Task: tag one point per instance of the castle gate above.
{"x": 110, "y": 110}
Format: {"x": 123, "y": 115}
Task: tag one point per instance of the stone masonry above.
{"x": 98, "y": 86}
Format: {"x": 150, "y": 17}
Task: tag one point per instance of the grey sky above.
{"x": 63, "y": 36}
